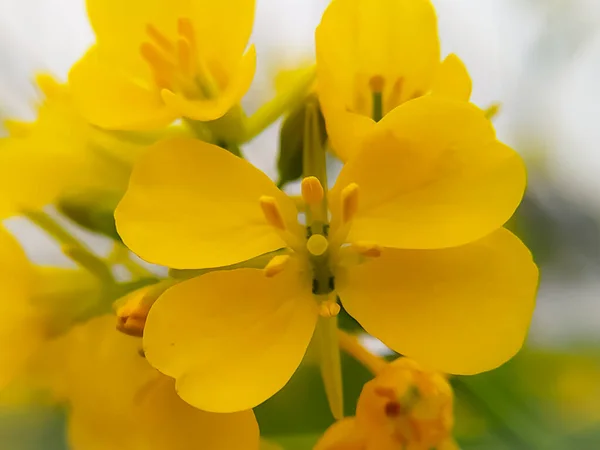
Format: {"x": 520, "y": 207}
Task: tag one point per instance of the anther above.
{"x": 185, "y": 28}
{"x": 312, "y": 191}
{"x": 131, "y": 319}
{"x": 271, "y": 211}
{"x": 395, "y": 95}
{"x": 392, "y": 409}
{"x": 317, "y": 245}
{"x": 369, "y": 249}
{"x": 329, "y": 309}
{"x": 159, "y": 39}
{"x": 184, "y": 55}
{"x": 349, "y": 202}
{"x": 376, "y": 84}
{"x": 276, "y": 265}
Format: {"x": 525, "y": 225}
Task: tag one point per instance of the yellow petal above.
{"x": 169, "y": 423}
{"x": 212, "y": 109}
{"x": 452, "y": 80}
{"x": 393, "y": 39}
{"x": 342, "y": 435}
{"x": 222, "y": 30}
{"x": 461, "y": 310}
{"x": 21, "y": 330}
{"x": 111, "y": 99}
{"x": 346, "y": 130}
{"x": 232, "y": 339}
{"x": 432, "y": 175}
{"x": 194, "y": 205}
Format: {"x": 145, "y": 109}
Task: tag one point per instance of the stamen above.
{"x": 329, "y": 308}
{"x": 161, "y": 68}
{"x": 393, "y": 409}
{"x": 376, "y": 84}
{"x": 317, "y": 244}
{"x": 395, "y": 95}
{"x": 349, "y": 202}
{"x": 185, "y": 28}
{"x": 276, "y": 265}
{"x": 159, "y": 39}
{"x": 312, "y": 190}
{"x": 369, "y": 249}
{"x": 271, "y": 211}
{"x": 184, "y": 56}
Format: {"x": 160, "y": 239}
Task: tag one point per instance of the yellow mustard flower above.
{"x": 373, "y": 55}
{"x": 405, "y": 407}
{"x": 414, "y": 248}
{"x": 156, "y": 61}
{"x": 36, "y": 305}
{"x": 59, "y": 152}
{"x": 116, "y": 400}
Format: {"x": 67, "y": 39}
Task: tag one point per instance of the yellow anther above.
{"x": 185, "y": 28}
{"x": 161, "y": 68}
{"x": 317, "y": 244}
{"x": 276, "y": 265}
{"x": 377, "y": 83}
{"x": 271, "y": 211}
{"x": 312, "y": 190}
{"x": 329, "y": 309}
{"x": 369, "y": 249}
{"x": 159, "y": 39}
{"x": 184, "y": 56}
{"x": 349, "y": 202}
{"x": 48, "y": 85}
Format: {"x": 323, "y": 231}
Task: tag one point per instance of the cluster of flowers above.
{"x": 409, "y": 240}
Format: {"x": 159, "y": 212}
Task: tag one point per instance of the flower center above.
{"x": 383, "y": 96}
{"x": 175, "y": 64}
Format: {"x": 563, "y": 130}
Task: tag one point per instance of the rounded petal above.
{"x": 432, "y": 175}
{"x": 393, "y": 39}
{"x": 167, "y": 422}
{"x": 111, "y": 99}
{"x": 346, "y": 130}
{"x": 21, "y": 327}
{"x": 194, "y": 205}
{"x": 212, "y": 109}
{"x": 461, "y": 310}
{"x": 222, "y": 30}
{"x": 452, "y": 80}
{"x": 232, "y": 339}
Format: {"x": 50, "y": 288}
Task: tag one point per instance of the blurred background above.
{"x": 541, "y": 60}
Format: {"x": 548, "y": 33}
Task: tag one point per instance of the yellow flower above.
{"x": 59, "y": 152}
{"x": 156, "y": 61}
{"x": 37, "y": 303}
{"x": 405, "y": 407}
{"x": 117, "y": 401}
{"x": 414, "y": 249}
{"x": 373, "y": 55}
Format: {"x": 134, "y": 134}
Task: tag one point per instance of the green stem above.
{"x": 71, "y": 246}
{"x": 284, "y": 101}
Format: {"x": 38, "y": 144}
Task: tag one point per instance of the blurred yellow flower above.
{"x": 428, "y": 268}
{"x": 373, "y": 55}
{"x": 59, "y": 152}
{"x": 37, "y": 304}
{"x": 156, "y": 61}
{"x": 117, "y": 401}
{"x": 405, "y": 407}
